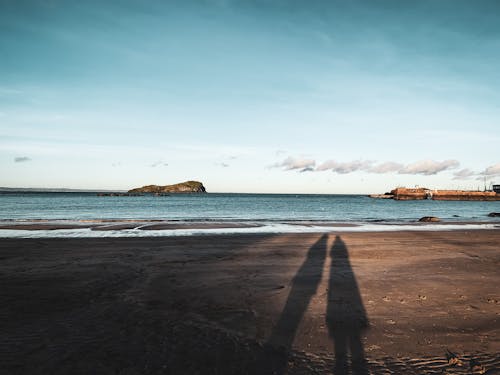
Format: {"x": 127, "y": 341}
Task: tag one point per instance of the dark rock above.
{"x": 429, "y": 219}
{"x": 183, "y": 187}
{"x": 494, "y": 214}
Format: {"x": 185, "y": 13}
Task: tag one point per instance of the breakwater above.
{"x": 402, "y": 193}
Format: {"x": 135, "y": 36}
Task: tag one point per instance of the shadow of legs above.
{"x": 346, "y": 317}
{"x": 304, "y": 286}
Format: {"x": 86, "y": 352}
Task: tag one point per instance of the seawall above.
{"x": 448, "y": 195}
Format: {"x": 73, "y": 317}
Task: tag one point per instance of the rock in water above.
{"x": 429, "y": 219}
{"x": 183, "y": 187}
{"x": 494, "y": 214}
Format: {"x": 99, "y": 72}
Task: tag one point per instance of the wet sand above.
{"x": 382, "y": 303}
{"x": 114, "y": 225}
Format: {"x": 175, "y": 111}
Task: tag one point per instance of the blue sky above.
{"x": 250, "y": 96}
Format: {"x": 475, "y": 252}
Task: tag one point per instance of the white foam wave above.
{"x": 270, "y": 228}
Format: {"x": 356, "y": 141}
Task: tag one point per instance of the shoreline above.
{"x": 42, "y": 228}
{"x": 252, "y": 304}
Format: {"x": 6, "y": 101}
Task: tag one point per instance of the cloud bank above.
{"x": 423, "y": 167}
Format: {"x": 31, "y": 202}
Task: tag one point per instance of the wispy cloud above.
{"x": 429, "y": 167}
{"x": 158, "y": 163}
{"x": 345, "y": 167}
{"x": 329, "y": 164}
{"x": 387, "y": 167}
{"x": 493, "y": 170}
{"x": 291, "y": 163}
{"x": 464, "y": 174}
{"x": 21, "y": 159}
{"x": 487, "y": 173}
{"x": 222, "y": 164}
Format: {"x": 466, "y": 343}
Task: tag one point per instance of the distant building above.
{"x": 496, "y": 189}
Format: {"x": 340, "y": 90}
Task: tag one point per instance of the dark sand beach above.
{"x": 381, "y": 303}
{"x": 113, "y": 225}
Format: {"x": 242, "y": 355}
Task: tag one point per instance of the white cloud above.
{"x": 352, "y": 166}
{"x": 423, "y": 167}
{"x": 345, "y": 167}
{"x": 429, "y": 167}
{"x": 463, "y": 174}
{"x": 291, "y": 163}
{"x": 387, "y": 167}
{"x": 493, "y": 170}
{"x": 329, "y": 164}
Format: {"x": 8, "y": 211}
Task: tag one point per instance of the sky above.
{"x": 250, "y": 96}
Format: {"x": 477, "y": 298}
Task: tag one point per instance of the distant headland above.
{"x": 183, "y": 187}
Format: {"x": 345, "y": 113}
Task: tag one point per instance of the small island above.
{"x": 183, "y": 187}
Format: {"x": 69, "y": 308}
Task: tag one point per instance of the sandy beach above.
{"x": 401, "y": 302}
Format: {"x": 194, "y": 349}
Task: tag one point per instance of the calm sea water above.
{"x": 236, "y": 207}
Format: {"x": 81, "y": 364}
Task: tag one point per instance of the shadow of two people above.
{"x": 345, "y": 314}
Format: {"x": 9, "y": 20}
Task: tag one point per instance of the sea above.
{"x": 266, "y": 212}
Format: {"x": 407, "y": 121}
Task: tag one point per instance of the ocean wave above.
{"x": 268, "y": 228}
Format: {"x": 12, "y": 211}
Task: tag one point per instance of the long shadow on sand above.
{"x": 304, "y": 286}
{"x": 345, "y": 316}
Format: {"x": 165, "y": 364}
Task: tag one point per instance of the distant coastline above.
{"x": 55, "y": 190}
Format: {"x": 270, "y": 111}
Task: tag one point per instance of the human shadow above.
{"x": 304, "y": 286}
{"x": 345, "y": 316}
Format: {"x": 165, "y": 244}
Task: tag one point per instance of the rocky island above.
{"x": 183, "y": 187}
